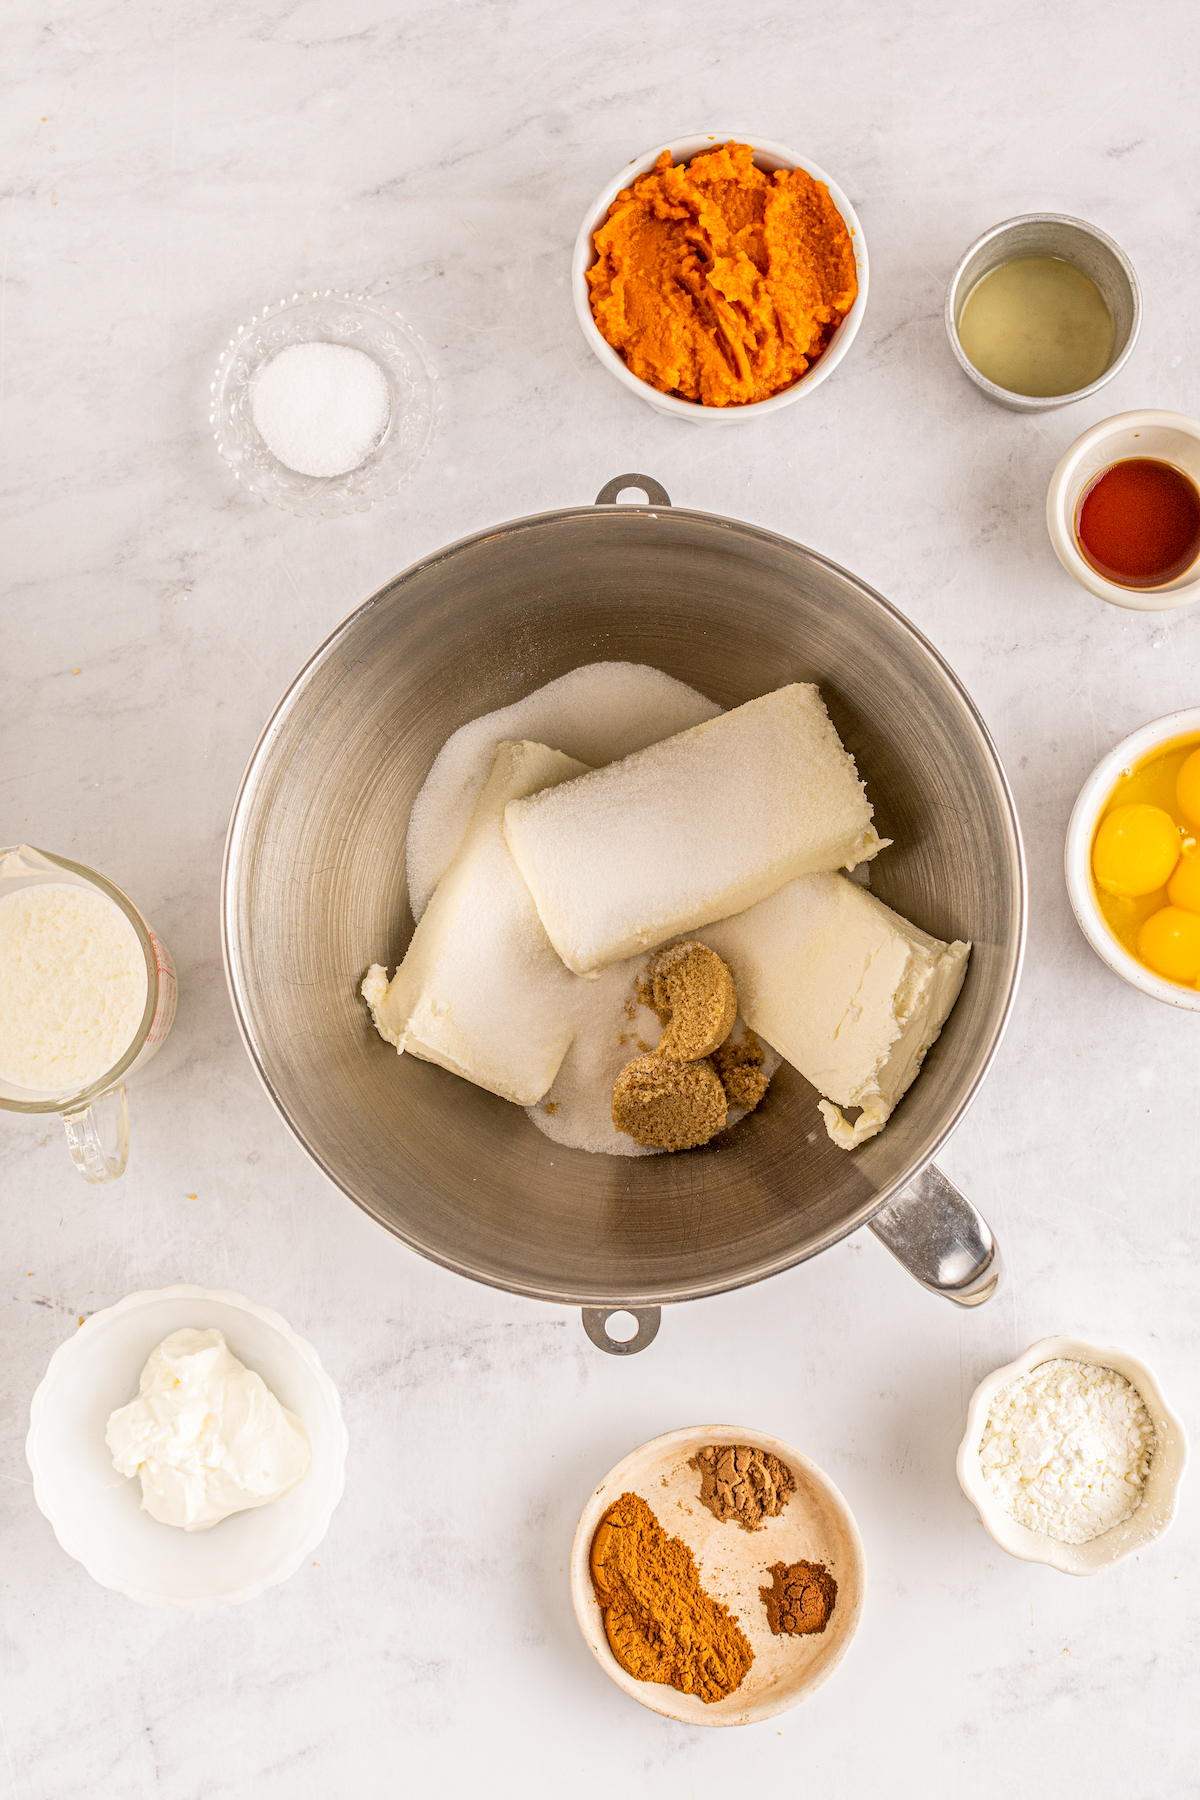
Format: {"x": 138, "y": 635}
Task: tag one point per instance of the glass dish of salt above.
{"x": 324, "y": 403}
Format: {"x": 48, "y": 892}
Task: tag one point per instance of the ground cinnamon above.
{"x": 800, "y": 1598}
{"x": 660, "y": 1623}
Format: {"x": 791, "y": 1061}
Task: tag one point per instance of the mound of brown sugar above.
{"x": 668, "y": 1105}
{"x": 691, "y": 989}
{"x": 660, "y": 1623}
{"x": 739, "y": 1063}
{"x": 800, "y": 1598}
{"x": 742, "y": 1483}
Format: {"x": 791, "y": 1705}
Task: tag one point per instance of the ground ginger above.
{"x": 660, "y": 1623}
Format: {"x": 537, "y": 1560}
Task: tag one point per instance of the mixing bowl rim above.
{"x": 706, "y": 1288}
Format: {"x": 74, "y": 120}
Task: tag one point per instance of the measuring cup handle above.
{"x": 98, "y": 1137}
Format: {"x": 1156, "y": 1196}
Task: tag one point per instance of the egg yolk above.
{"x": 1136, "y": 849}
{"x": 1187, "y": 788}
{"x": 1169, "y": 943}
{"x": 1183, "y": 889}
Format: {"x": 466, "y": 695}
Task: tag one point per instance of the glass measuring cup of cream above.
{"x": 89, "y": 996}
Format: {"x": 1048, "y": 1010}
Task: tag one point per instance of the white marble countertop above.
{"x": 174, "y": 166}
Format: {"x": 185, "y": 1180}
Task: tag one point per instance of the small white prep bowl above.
{"x": 768, "y": 156}
{"x": 1093, "y": 797}
{"x": 815, "y": 1524}
{"x": 1168, "y": 437}
{"x": 96, "y": 1513}
{"x": 1159, "y": 1497}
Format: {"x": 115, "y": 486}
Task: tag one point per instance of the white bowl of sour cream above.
{"x": 1160, "y": 1487}
{"x": 97, "y": 1513}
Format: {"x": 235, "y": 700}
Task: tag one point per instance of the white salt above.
{"x": 73, "y": 977}
{"x": 597, "y": 714}
{"x": 691, "y": 830}
{"x": 321, "y": 408}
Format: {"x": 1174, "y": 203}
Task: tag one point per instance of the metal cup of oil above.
{"x": 1043, "y": 310}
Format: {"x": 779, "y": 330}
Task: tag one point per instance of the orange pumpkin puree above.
{"x": 719, "y": 283}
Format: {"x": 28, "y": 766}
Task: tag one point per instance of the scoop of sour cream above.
{"x": 205, "y": 1434}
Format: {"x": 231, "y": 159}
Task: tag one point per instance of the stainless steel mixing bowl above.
{"x": 314, "y": 891}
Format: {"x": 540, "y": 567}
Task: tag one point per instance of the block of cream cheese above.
{"x": 849, "y": 992}
{"x": 480, "y": 990}
{"x": 695, "y": 828}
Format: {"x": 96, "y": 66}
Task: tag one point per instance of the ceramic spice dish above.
{"x": 815, "y": 1525}
{"x": 1161, "y": 1492}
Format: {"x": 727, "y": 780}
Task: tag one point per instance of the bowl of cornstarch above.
{"x": 1072, "y": 1456}
{"x": 323, "y": 403}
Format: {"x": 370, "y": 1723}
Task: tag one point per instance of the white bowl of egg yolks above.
{"x": 1133, "y": 857}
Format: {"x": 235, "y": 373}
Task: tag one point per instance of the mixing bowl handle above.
{"x": 941, "y": 1239}
{"x": 656, "y": 494}
{"x": 595, "y": 1323}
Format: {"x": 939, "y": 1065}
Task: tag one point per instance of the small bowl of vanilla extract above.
{"x": 1123, "y": 510}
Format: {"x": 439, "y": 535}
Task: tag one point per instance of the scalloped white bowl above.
{"x": 1159, "y": 1499}
{"x": 96, "y": 1513}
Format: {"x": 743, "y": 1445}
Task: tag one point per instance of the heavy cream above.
{"x": 73, "y": 976}
{"x": 206, "y": 1435}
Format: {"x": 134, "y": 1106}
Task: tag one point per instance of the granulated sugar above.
{"x": 321, "y": 408}
{"x": 597, "y": 714}
{"x": 610, "y": 1028}
{"x": 692, "y": 829}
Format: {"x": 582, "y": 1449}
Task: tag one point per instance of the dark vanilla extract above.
{"x": 1138, "y": 523}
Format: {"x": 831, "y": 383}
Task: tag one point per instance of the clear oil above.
{"x": 1037, "y": 326}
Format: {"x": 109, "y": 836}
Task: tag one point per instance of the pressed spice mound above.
{"x": 800, "y": 1598}
{"x": 741, "y": 1483}
{"x": 660, "y": 1623}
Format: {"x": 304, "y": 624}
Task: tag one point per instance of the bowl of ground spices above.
{"x": 717, "y": 1575}
{"x": 719, "y": 280}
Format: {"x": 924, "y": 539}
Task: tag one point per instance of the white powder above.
{"x": 321, "y": 408}
{"x": 73, "y": 977}
{"x": 1067, "y": 1448}
{"x": 597, "y": 714}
